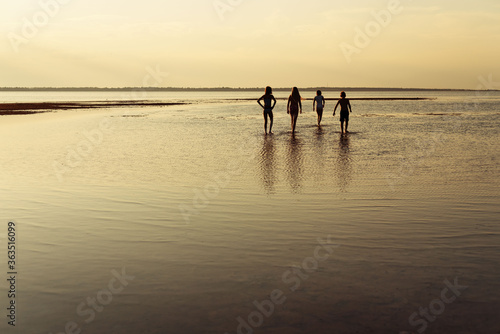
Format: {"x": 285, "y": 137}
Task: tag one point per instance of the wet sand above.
{"x": 39, "y": 107}
{"x": 359, "y": 99}
{"x": 210, "y": 216}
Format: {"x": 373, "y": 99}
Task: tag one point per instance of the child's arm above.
{"x": 324, "y": 102}
{"x": 288, "y": 106}
{"x": 336, "y": 107}
{"x": 349, "y": 105}
{"x": 300, "y": 106}
{"x": 274, "y": 102}
{"x": 314, "y": 104}
{"x": 258, "y": 101}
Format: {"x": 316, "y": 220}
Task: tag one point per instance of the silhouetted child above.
{"x": 269, "y": 103}
{"x": 345, "y": 108}
{"x": 319, "y": 105}
{"x": 293, "y": 107}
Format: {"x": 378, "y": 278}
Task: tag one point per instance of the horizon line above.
{"x": 227, "y": 88}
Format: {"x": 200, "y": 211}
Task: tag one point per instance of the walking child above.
{"x": 345, "y": 109}
{"x": 319, "y": 105}
{"x": 269, "y": 104}
{"x": 293, "y": 107}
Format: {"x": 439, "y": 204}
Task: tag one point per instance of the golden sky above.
{"x": 243, "y": 43}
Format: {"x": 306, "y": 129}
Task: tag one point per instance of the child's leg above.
{"x": 346, "y": 124}
{"x": 265, "y": 121}
{"x": 271, "y": 119}
{"x": 294, "y": 121}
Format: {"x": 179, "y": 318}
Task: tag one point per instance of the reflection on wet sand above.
{"x": 320, "y": 154}
{"x": 343, "y": 167}
{"x": 267, "y": 164}
{"x": 293, "y": 164}
{"x": 297, "y": 159}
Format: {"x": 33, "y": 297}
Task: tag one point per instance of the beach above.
{"x": 177, "y": 214}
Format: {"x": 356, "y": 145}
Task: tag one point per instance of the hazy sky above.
{"x": 248, "y": 43}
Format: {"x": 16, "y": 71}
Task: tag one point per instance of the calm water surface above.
{"x": 209, "y": 215}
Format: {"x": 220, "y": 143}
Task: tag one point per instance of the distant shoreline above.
{"x": 23, "y": 108}
{"x": 224, "y": 89}
{"x": 41, "y": 107}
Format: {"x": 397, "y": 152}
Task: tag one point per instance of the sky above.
{"x": 249, "y": 43}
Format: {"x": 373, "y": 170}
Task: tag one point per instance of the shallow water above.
{"x": 209, "y": 215}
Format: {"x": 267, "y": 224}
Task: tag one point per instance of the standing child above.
{"x": 345, "y": 108}
{"x": 319, "y": 105}
{"x": 269, "y": 103}
{"x": 293, "y": 107}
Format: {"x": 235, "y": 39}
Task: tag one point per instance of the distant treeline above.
{"x": 214, "y": 89}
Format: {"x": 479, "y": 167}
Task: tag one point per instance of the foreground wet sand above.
{"x": 214, "y": 227}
